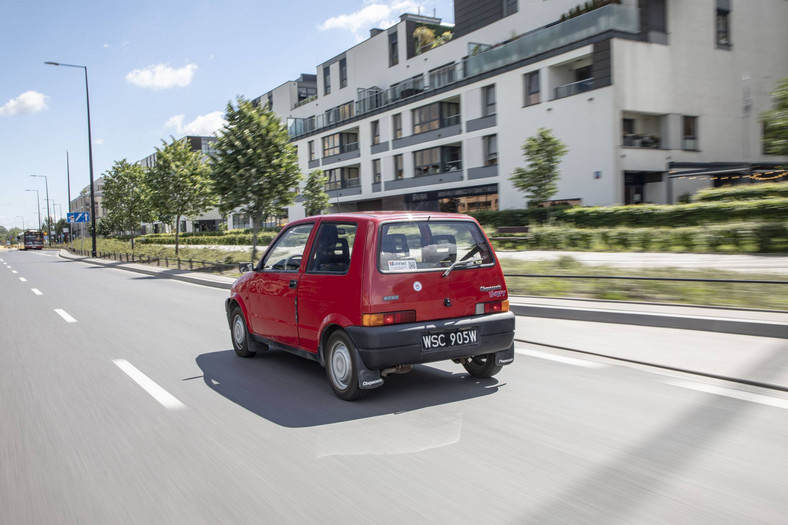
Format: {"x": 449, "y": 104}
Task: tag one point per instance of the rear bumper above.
{"x": 384, "y": 346}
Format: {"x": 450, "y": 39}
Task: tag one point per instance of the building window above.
{"x": 326, "y": 79}
{"x": 532, "y": 89}
{"x": 396, "y": 125}
{"x": 434, "y": 116}
{"x": 437, "y": 160}
{"x": 490, "y": 150}
{"x": 426, "y": 118}
{"x": 342, "y": 178}
{"x": 690, "y": 133}
{"x": 346, "y": 111}
{"x": 340, "y": 143}
{"x": 342, "y": 73}
{"x": 723, "y": 28}
{"x": 509, "y": 7}
{"x": 376, "y": 174}
{"x": 393, "y": 49}
{"x": 331, "y": 145}
{"x": 375, "y": 126}
{"x": 488, "y": 102}
{"x": 311, "y": 148}
{"x": 398, "y": 167}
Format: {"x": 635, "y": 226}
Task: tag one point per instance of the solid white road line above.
{"x": 147, "y": 384}
{"x": 735, "y": 394}
{"x": 64, "y": 315}
{"x": 560, "y": 358}
{"x": 37, "y": 291}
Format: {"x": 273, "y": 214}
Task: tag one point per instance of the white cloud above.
{"x": 374, "y": 14}
{"x": 25, "y": 104}
{"x": 203, "y": 125}
{"x": 98, "y": 142}
{"x": 161, "y": 76}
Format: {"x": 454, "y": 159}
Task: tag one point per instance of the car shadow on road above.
{"x": 293, "y": 392}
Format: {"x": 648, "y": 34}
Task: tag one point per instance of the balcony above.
{"x": 636, "y": 140}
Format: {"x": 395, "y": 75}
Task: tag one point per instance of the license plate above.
{"x": 449, "y": 339}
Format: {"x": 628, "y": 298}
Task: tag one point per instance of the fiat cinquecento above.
{"x": 371, "y": 294}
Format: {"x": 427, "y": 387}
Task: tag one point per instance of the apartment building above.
{"x": 654, "y": 99}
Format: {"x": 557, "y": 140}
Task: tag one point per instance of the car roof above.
{"x": 382, "y": 216}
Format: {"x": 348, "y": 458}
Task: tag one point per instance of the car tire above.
{"x": 482, "y": 365}
{"x": 341, "y": 367}
{"x": 240, "y": 334}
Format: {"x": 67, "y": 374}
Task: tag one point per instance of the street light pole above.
{"x": 90, "y": 154}
{"x": 38, "y": 205}
{"x": 49, "y": 216}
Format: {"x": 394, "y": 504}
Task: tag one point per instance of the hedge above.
{"x": 754, "y": 237}
{"x": 231, "y": 239}
{"x": 743, "y": 192}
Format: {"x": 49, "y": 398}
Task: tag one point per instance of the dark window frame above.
{"x": 488, "y": 107}
{"x": 533, "y": 88}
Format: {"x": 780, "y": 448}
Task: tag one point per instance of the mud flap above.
{"x": 505, "y": 357}
{"x": 367, "y": 379}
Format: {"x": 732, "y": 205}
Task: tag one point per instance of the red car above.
{"x": 372, "y": 294}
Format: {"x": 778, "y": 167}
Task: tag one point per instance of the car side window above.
{"x": 332, "y": 248}
{"x": 288, "y": 251}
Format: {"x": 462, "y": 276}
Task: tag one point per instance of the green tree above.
{"x": 314, "y": 194}
{"x": 126, "y": 197}
{"x": 180, "y": 184}
{"x": 543, "y": 153}
{"x": 255, "y": 168}
{"x": 775, "y": 133}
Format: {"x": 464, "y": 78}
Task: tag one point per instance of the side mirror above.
{"x": 245, "y": 267}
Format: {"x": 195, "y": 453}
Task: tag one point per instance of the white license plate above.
{"x": 449, "y": 339}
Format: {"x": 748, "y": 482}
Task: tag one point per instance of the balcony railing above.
{"x": 344, "y": 183}
{"x": 574, "y": 88}
{"x": 636, "y": 140}
{"x": 612, "y": 17}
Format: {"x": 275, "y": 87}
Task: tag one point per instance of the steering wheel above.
{"x": 293, "y": 262}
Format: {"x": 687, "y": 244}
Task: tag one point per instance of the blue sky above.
{"x": 156, "y": 69}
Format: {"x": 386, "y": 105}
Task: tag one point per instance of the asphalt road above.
{"x": 121, "y": 401}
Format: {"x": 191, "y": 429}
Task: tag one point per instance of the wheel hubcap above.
{"x": 238, "y": 331}
{"x": 341, "y": 365}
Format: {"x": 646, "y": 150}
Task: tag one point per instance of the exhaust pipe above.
{"x": 399, "y": 369}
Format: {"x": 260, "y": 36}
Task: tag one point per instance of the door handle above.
{"x": 293, "y": 283}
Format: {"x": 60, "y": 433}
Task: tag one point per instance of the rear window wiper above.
{"x": 463, "y": 262}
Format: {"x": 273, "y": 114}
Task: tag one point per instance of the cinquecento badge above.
{"x": 417, "y": 286}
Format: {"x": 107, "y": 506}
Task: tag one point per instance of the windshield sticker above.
{"x": 399, "y": 265}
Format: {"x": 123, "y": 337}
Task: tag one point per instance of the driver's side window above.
{"x": 288, "y": 251}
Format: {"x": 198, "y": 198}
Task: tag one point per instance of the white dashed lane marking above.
{"x": 62, "y": 313}
{"x": 37, "y": 291}
{"x": 159, "y": 394}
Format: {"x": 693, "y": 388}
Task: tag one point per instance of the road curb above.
{"x": 658, "y": 320}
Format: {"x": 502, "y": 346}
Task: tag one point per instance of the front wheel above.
{"x": 482, "y": 365}
{"x": 240, "y": 335}
{"x": 341, "y": 367}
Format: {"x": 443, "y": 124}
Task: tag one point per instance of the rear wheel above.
{"x": 482, "y": 365}
{"x": 239, "y": 333}
{"x": 341, "y": 367}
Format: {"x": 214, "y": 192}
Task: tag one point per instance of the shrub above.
{"x": 743, "y": 192}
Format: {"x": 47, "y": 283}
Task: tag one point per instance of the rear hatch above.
{"x": 431, "y": 270}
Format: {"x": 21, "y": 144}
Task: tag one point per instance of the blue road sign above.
{"x": 79, "y": 216}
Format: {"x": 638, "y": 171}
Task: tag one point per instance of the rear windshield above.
{"x": 431, "y": 245}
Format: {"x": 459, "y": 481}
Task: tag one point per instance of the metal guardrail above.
{"x": 627, "y": 278}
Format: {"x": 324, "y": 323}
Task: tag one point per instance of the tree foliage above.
{"x": 126, "y": 197}
{"x": 314, "y": 194}
{"x": 775, "y": 133}
{"x": 255, "y": 168}
{"x": 180, "y": 184}
{"x": 543, "y": 153}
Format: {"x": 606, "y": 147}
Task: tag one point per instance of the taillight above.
{"x": 493, "y": 307}
{"x": 406, "y": 316}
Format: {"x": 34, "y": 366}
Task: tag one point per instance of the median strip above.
{"x": 159, "y": 394}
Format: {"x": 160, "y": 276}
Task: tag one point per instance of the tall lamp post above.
{"x": 38, "y": 205}
{"x": 49, "y": 216}
{"x": 90, "y": 155}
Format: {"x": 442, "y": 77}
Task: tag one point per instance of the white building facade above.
{"x": 654, "y": 99}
